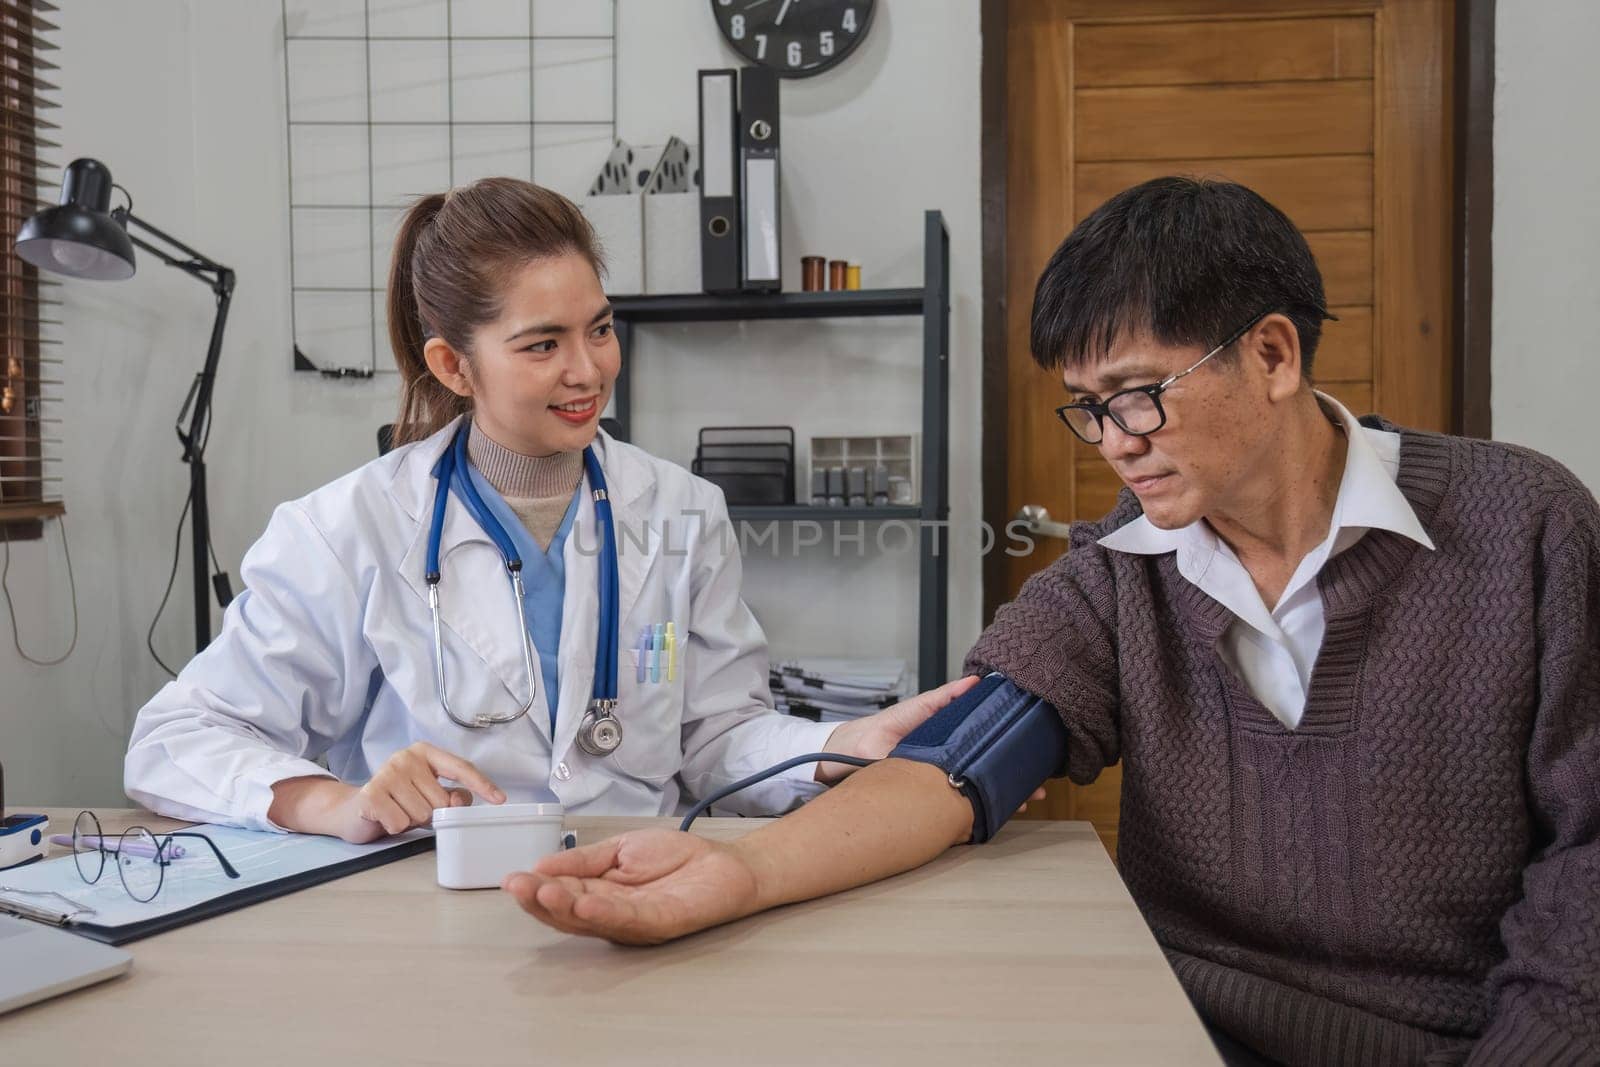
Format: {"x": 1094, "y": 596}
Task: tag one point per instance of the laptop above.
{"x": 38, "y": 962}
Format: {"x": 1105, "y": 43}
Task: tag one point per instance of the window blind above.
{"x": 30, "y": 360}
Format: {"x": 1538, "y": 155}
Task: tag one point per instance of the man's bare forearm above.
{"x": 882, "y": 820}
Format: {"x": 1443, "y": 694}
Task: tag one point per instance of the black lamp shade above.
{"x": 79, "y": 238}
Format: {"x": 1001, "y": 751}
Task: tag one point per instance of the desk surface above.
{"x": 1027, "y": 948}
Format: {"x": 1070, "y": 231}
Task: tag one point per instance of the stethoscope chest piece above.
{"x": 601, "y": 731}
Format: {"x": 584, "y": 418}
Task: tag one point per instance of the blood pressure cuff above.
{"x": 996, "y": 743}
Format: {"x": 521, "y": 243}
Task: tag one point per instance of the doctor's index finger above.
{"x": 448, "y": 765}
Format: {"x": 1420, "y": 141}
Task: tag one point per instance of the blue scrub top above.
{"x": 544, "y": 580}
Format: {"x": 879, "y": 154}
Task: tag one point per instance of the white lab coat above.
{"x": 328, "y": 653}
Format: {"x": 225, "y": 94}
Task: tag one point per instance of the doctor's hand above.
{"x": 401, "y": 795}
{"x": 642, "y": 888}
{"x": 875, "y": 736}
{"x": 404, "y": 791}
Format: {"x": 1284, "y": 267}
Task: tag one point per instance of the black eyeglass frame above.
{"x": 1100, "y": 409}
{"x": 160, "y": 858}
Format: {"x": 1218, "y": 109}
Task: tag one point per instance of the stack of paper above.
{"x": 833, "y": 689}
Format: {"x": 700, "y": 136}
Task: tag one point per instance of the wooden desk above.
{"x": 1025, "y": 949}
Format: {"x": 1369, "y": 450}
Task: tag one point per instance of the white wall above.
{"x": 184, "y": 101}
{"x": 1546, "y": 370}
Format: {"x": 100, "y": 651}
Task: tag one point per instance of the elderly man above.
{"x": 1352, "y": 672}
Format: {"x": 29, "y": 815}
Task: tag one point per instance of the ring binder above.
{"x": 758, "y": 155}
{"x": 719, "y": 182}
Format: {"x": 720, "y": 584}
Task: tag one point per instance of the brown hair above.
{"x": 451, "y": 261}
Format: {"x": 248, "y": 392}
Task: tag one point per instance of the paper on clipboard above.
{"x": 195, "y": 886}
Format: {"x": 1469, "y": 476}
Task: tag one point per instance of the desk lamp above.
{"x": 84, "y": 237}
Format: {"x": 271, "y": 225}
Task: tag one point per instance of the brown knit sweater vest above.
{"x": 1412, "y": 875}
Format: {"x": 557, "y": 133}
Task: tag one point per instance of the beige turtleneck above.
{"x": 538, "y": 488}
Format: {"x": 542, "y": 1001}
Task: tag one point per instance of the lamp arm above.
{"x": 196, "y": 409}
{"x": 197, "y": 406}
{"x": 194, "y": 419}
{"x": 201, "y": 266}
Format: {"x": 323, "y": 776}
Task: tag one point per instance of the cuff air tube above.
{"x": 996, "y": 743}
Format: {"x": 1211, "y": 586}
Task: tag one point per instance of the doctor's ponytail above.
{"x": 452, "y": 259}
{"x": 424, "y": 400}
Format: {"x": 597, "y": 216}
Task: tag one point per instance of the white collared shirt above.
{"x": 1273, "y": 650}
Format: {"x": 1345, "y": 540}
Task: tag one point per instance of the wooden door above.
{"x": 1337, "y": 112}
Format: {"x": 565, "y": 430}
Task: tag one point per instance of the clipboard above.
{"x": 42, "y": 892}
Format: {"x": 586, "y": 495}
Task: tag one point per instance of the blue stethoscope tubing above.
{"x": 452, "y": 470}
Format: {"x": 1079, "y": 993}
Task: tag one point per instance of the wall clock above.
{"x": 795, "y": 38}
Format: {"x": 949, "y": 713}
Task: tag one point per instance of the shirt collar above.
{"x": 1368, "y": 498}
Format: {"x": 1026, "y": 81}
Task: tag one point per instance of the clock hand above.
{"x": 782, "y": 11}
{"x": 757, "y": 3}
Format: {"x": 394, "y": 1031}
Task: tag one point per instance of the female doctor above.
{"x": 472, "y": 606}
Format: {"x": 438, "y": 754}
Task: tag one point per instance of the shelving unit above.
{"x": 932, "y": 304}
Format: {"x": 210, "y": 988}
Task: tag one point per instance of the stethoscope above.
{"x": 600, "y": 732}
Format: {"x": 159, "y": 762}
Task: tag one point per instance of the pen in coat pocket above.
{"x": 644, "y": 653}
{"x": 656, "y": 638}
{"x": 672, "y": 654}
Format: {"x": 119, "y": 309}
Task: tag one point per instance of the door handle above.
{"x": 1036, "y": 518}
